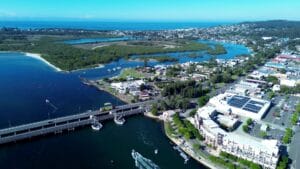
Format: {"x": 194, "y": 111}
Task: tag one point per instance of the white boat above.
{"x": 182, "y": 154}
{"x": 119, "y": 120}
{"x": 155, "y": 151}
{"x": 96, "y": 126}
{"x": 142, "y": 162}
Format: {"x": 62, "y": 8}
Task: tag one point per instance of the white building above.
{"x": 289, "y": 82}
{"x": 229, "y": 103}
{"x": 130, "y": 86}
{"x": 262, "y": 152}
{"x": 276, "y": 88}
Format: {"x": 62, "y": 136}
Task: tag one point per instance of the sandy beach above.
{"x": 38, "y": 56}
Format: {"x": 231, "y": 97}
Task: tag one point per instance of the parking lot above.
{"x": 282, "y": 110}
{"x": 280, "y": 115}
{"x": 272, "y": 133}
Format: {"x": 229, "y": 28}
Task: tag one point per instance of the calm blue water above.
{"x": 94, "y": 25}
{"x": 26, "y": 83}
{"x": 232, "y": 51}
{"x": 95, "y": 40}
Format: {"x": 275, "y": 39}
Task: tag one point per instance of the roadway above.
{"x": 68, "y": 122}
{"x": 293, "y": 149}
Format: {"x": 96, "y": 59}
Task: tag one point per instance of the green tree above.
{"x": 287, "y": 136}
{"x": 255, "y": 166}
{"x": 154, "y": 109}
{"x": 263, "y": 134}
{"x": 272, "y": 79}
{"x": 249, "y": 121}
{"x": 203, "y": 100}
{"x": 283, "y": 162}
{"x": 227, "y": 78}
{"x": 295, "y": 118}
{"x": 196, "y": 146}
{"x": 193, "y": 113}
{"x": 271, "y": 94}
{"x": 245, "y": 128}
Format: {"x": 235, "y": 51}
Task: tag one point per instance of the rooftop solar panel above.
{"x": 256, "y": 102}
{"x": 252, "y": 107}
{"x": 238, "y": 101}
{"x": 245, "y": 103}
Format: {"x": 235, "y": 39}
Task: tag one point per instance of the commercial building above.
{"x": 129, "y": 86}
{"x": 245, "y": 88}
{"x": 262, "y": 152}
{"x": 229, "y": 103}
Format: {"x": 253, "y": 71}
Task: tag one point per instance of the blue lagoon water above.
{"x": 233, "y": 50}
{"x": 95, "y": 40}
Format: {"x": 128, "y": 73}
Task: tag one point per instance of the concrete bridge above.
{"x": 68, "y": 123}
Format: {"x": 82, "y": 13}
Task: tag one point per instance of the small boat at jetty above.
{"x": 182, "y": 154}
{"x": 96, "y": 125}
{"x": 119, "y": 120}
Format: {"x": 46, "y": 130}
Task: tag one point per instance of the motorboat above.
{"x": 142, "y": 162}
{"x": 182, "y": 154}
{"x": 96, "y": 126}
{"x": 119, "y": 120}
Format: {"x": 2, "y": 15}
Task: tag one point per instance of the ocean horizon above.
{"x": 112, "y": 25}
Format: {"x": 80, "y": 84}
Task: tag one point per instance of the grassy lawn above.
{"x": 130, "y": 73}
{"x": 234, "y": 77}
{"x": 219, "y": 85}
{"x": 170, "y": 130}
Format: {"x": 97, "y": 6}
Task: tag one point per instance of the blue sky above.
{"x": 150, "y": 10}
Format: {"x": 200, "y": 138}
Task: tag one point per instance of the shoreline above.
{"x": 39, "y": 57}
{"x": 199, "y": 159}
{"x": 98, "y": 66}
{"x": 94, "y": 84}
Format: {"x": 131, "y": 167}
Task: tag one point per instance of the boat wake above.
{"x": 142, "y": 162}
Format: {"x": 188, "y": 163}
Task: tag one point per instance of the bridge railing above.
{"x": 63, "y": 123}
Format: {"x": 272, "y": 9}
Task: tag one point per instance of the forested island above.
{"x": 163, "y": 58}
{"x": 68, "y": 57}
